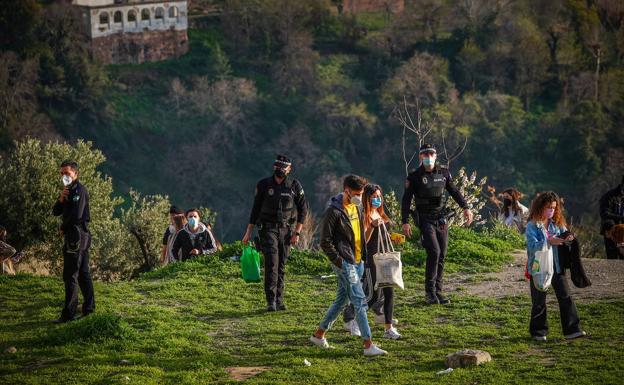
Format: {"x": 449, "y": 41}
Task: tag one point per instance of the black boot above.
{"x": 431, "y": 299}
{"x": 271, "y": 307}
{"x": 443, "y": 300}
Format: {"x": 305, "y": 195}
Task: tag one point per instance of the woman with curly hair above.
{"x": 545, "y": 226}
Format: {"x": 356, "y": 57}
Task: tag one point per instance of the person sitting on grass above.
{"x": 194, "y": 239}
{"x": 170, "y": 235}
{"x": 546, "y": 224}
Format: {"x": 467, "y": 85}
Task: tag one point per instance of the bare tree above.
{"x": 177, "y": 94}
{"x": 459, "y": 149}
{"x": 419, "y": 128}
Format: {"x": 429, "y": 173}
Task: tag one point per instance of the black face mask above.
{"x": 507, "y": 202}
{"x": 280, "y": 173}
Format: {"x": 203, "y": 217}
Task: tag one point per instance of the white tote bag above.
{"x": 543, "y": 269}
{"x": 388, "y": 267}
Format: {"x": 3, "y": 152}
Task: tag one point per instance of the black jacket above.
{"x": 429, "y": 206}
{"x": 337, "y": 238}
{"x": 186, "y": 240}
{"x": 570, "y": 258}
{"x": 75, "y": 209}
{"x": 277, "y": 203}
{"x": 612, "y": 208}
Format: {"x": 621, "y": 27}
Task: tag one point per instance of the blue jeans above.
{"x": 349, "y": 290}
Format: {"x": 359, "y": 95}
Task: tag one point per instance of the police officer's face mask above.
{"x": 280, "y": 172}
{"x": 429, "y": 161}
{"x": 66, "y": 180}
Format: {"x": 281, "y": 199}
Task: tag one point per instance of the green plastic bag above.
{"x": 250, "y": 264}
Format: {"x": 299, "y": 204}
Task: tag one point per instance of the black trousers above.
{"x": 379, "y": 301}
{"x": 567, "y": 309}
{"x": 435, "y": 241}
{"x": 76, "y": 275}
{"x": 613, "y": 252}
{"x": 275, "y": 245}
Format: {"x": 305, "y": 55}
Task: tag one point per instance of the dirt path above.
{"x": 607, "y": 277}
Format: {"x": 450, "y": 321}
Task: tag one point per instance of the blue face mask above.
{"x": 428, "y": 161}
{"x": 192, "y": 222}
{"x": 376, "y": 202}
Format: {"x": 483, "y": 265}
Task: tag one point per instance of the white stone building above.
{"x": 124, "y": 31}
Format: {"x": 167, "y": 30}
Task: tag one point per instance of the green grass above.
{"x": 185, "y": 323}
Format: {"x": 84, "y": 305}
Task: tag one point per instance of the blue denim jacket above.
{"x": 536, "y": 236}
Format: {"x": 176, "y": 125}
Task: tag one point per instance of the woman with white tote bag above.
{"x": 546, "y": 224}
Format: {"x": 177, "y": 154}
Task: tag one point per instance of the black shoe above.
{"x": 281, "y": 306}
{"x": 431, "y": 299}
{"x": 443, "y": 300}
{"x": 271, "y": 307}
{"x": 63, "y": 320}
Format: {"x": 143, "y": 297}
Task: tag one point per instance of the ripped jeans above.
{"x": 349, "y": 290}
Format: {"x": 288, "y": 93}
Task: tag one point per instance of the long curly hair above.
{"x": 542, "y": 201}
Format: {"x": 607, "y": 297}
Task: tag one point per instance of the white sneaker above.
{"x": 320, "y": 342}
{"x": 392, "y": 334}
{"x": 355, "y": 329}
{"x": 373, "y": 350}
{"x": 380, "y": 319}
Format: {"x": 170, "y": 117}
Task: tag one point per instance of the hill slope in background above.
{"x": 516, "y": 80}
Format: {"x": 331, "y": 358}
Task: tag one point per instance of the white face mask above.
{"x": 356, "y": 200}
{"x": 67, "y": 180}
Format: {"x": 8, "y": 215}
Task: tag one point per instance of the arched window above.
{"x": 173, "y": 12}
{"x": 145, "y": 14}
{"x": 132, "y": 16}
{"x": 160, "y": 13}
{"x": 104, "y": 18}
{"x": 118, "y": 17}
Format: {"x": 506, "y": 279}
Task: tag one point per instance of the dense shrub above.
{"x": 97, "y": 327}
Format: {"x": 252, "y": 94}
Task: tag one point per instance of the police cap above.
{"x": 282, "y": 161}
{"x": 427, "y": 148}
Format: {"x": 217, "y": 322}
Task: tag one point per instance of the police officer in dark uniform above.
{"x": 426, "y": 186}
{"x": 73, "y": 205}
{"x": 279, "y": 205}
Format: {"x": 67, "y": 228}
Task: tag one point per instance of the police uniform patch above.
{"x": 425, "y": 180}
{"x": 271, "y": 192}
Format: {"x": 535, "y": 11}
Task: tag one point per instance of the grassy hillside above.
{"x": 186, "y": 323}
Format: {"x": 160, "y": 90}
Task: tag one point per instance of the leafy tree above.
{"x": 30, "y": 185}
{"x": 18, "y": 19}
{"x": 146, "y": 219}
{"x": 422, "y": 80}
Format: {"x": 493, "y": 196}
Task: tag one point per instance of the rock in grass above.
{"x": 466, "y": 358}
{"x": 11, "y": 350}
